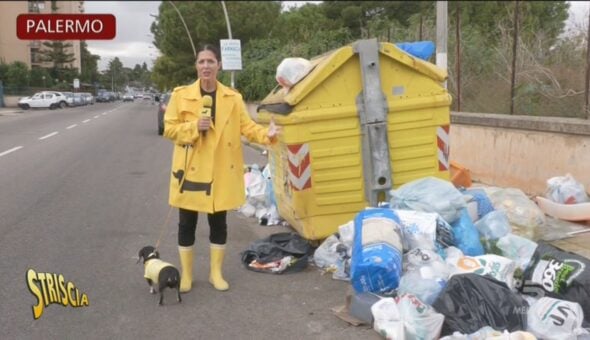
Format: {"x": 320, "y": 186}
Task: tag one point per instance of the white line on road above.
{"x": 9, "y": 151}
{"x": 86, "y": 121}
{"x": 72, "y": 126}
{"x": 49, "y": 135}
{"x": 104, "y": 113}
{"x": 96, "y": 116}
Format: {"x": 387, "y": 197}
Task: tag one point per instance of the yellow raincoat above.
{"x": 213, "y": 163}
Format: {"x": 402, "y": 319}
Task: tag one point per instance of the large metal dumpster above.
{"x": 367, "y": 118}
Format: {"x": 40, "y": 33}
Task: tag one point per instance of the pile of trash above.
{"x": 260, "y": 198}
{"x": 440, "y": 262}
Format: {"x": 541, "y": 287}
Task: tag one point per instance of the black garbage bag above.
{"x": 559, "y": 274}
{"x": 471, "y": 301}
{"x": 278, "y": 254}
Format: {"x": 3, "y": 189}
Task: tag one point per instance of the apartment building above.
{"x": 13, "y": 49}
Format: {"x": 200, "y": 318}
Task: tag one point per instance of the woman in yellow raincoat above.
{"x": 207, "y": 164}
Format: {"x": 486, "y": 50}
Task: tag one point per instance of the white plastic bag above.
{"x": 291, "y": 70}
{"x": 326, "y": 255}
{"x": 418, "y": 229}
{"x": 420, "y": 321}
{"x": 566, "y": 190}
{"x": 554, "y": 319}
{"x": 387, "y": 319}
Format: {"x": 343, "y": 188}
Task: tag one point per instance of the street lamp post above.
{"x": 230, "y": 37}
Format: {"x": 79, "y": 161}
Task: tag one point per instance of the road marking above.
{"x": 96, "y": 116}
{"x": 104, "y": 113}
{"x": 86, "y": 121}
{"x": 49, "y": 135}
{"x": 11, "y": 150}
{"x": 72, "y": 126}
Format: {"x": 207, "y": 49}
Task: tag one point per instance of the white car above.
{"x": 45, "y": 99}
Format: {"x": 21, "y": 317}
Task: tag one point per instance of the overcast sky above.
{"x": 133, "y": 42}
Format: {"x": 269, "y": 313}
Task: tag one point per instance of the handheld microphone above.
{"x": 207, "y": 102}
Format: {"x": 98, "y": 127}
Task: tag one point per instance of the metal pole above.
{"x": 587, "y": 104}
{"x": 230, "y": 36}
{"x": 441, "y": 35}
{"x": 514, "y": 46}
{"x": 458, "y": 44}
{"x": 186, "y": 28}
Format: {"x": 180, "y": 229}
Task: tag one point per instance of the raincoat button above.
{"x": 229, "y": 144}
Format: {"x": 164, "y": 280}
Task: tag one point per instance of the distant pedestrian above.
{"x": 207, "y": 165}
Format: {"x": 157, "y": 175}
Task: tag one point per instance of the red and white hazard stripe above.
{"x": 299, "y": 166}
{"x": 443, "y": 142}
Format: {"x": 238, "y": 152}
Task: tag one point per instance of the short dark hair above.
{"x": 211, "y": 48}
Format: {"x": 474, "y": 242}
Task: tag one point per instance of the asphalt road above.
{"x": 81, "y": 191}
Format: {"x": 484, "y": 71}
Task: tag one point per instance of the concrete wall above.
{"x": 521, "y": 151}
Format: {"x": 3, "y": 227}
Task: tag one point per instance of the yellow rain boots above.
{"x": 215, "y": 276}
{"x": 186, "y": 264}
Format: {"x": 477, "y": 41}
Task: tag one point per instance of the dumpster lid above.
{"x": 282, "y": 101}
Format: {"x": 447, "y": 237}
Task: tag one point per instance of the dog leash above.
{"x": 163, "y": 229}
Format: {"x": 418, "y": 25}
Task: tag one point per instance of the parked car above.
{"x": 79, "y": 99}
{"x": 128, "y": 97}
{"x": 162, "y": 103}
{"x": 105, "y": 97}
{"x": 45, "y": 99}
{"x": 88, "y": 97}
{"x": 69, "y": 98}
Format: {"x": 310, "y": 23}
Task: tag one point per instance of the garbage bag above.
{"x": 566, "y": 190}
{"x": 278, "y": 253}
{"x": 418, "y": 229}
{"x": 479, "y": 196}
{"x": 430, "y": 194}
{"x": 425, "y": 289}
{"x": 387, "y": 319}
{"x": 488, "y": 333}
{"x": 554, "y": 319}
{"x": 466, "y": 235}
{"x": 521, "y": 211}
{"x": 406, "y": 317}
{"x": 425, "y": 275}
{"x": 291, "y": 70}
{"x": 518, "y": 249}
{"x": 418, "y": 49}
{"x": 376, "y": 264}
{"x": 420, "y": 321}
{"x": 493, "y": 225}
{"x": 559, "y": 274}
{"x": 470, "y": 302}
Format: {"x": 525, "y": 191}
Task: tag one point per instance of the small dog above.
{"x": 159, "y": 272}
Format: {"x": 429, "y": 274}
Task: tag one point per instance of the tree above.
{"x": 89, "y": 72}
{"x": 113, "y": 77}
{"x": 206, "y": 24}
{"x": 17, "y": 74}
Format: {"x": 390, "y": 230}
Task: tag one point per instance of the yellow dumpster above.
{"x": 367, "y": 118}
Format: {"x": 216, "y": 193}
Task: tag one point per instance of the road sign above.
{"x": 76, "y": 83}
{"x": 231, "y": 54}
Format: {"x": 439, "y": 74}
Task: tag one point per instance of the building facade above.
{"x": 28, "y": 51}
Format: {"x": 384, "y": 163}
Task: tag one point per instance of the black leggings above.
{"x": 187, "y": 226}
